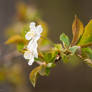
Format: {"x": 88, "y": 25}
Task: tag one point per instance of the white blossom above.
{"x": 30, "y": 56}
{"x": 34, "y": 33}
{"x": 33, "y": 36}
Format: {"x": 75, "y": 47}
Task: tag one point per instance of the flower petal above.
{"x": 27, "y": 55}
{"x": 36, "y": 54}
{"x": 33, "y": 27}
{"x": 32, "y": 24}
{"x": 32, "y": 45}
{"x": 31, "y": 61}
{"x": 39, "y": 29}
{"x": 36, "y": 38}
{"x": 28, "y": 36}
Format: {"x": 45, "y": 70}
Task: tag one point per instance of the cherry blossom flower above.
{"x": 33, "y": 36}
{"x": 34, "y": 33}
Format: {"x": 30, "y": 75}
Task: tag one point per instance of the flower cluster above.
{"x": 33, "y": 36}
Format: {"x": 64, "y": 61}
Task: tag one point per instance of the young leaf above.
{"x": 58, "y": 47}
{"x": 73, "y": 49}
{"x": 20, "y": 46}
{"x": 35, "y": 72}
{"x": 77, "y": 30}
{"x": 50, "y": 57}
{"x": 47, "y": 56}
{"x": 42, "y": 72}
{"x": 65, "y": 40}
{"x": 33, "y": 75}
{"x": 87, "y": 35}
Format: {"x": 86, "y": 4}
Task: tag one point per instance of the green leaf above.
{"x": 65, "y": 40}
{"x": 77, "y": 30}
{"x": 47, "y": 57}
{"x": 73, "y": 49}
{"x": 87, "y": 53}
{"x": 58, "y": 47}
{"x": 37, "y": 59}
{"x": 87, "y": 35}
{"x": 47, "y": 71}
{"x": 50, "y": 57}
{"x": 53, "y": 56}
{"x": 20, "y": 46}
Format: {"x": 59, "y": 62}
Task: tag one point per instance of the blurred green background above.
{"x": 59, "y": 15}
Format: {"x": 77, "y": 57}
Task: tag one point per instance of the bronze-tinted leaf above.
{"x": 35, "y": 72}
{"x": 77, "y": 30}
{"x": 33, "y": 75}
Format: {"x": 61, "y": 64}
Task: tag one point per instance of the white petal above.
{"x": 27, "y": 55}
{"x": 31, "y": 61}
{"x": 32, "y": 24}
{"x": 32, "y": 45}
{"x": 33, "y": 29}
{"x": 37, "y": 37}
{"x": 36, "y": 54}
{"x": 39, "y": 29}
{"x": 28, "y": 36}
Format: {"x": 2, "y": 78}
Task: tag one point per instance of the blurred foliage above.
{"x": 12, "y": 74}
